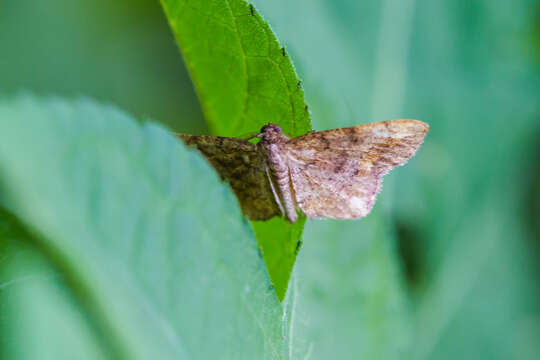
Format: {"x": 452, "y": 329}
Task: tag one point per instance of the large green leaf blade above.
{"x": 32, "y": 292}
{"x": 144, "y": 226}
{"x": 244, "y": 79}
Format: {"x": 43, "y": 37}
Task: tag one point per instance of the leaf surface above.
{"x": 347, "y": 295}
{"x": 145, "y": 240}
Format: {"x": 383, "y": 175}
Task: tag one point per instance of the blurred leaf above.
{"x": 153, "y": 245}
{"x": 244, "y": 80}
{"x": 119, "y": 51}
{"x": 346, "y": 293}
{"x": 40, "y": 316}
{"x": 483, "y": 298}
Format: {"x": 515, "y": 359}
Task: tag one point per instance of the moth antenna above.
{"x": 251, "y": 136}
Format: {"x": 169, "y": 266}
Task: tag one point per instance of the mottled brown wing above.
{"x": 240, "y": 164}
{"x": 337, "y": 173}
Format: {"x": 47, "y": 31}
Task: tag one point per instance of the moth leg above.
{"x": 285, "y": 188}
{"x": 276, "y": 196}
{"x": 293, "y": 191}
{"x": 294, "y": 201}
{"x": 280, "y": 182}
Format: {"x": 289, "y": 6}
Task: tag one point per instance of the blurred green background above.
{"x": 448, "y": 264}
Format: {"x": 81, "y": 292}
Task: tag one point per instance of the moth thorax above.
{"x": 274, "y": 156}
{"x": 271, "y": 134}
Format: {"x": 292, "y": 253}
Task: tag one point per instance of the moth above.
{"x": 325, "y": 174}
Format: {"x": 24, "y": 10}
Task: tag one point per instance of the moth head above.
{"x": 270, "y": 133}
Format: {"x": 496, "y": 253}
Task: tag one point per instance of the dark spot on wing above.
{"x": 324, "y": 142}
{"x": 340, "y": 164}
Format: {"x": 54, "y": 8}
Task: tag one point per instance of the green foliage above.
{"x": 126, "y": 256}
{"x": 347, "y": 293}
{"x": 116, "y": 51}
{"x": 40, "y": 314}
{"x": 280, "y": 242}
{"x": 244, "y": 80}
{"x": 119, "y": 243}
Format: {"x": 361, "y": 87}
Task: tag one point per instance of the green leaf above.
{"x": 146, "y": 241}
{"x": 245, "y": 79}
{"x": 280, "y": 242}
{"x": 40, "y": 316}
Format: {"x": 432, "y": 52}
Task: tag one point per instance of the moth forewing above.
{"x": 337, "y": 173}
{"x": 241, "y": 164}
{"x": 328, "y": 174}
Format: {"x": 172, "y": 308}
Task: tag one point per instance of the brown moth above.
{"x": 328, "y": 174}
